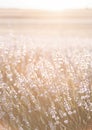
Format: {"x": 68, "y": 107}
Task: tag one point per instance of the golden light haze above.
{"x": 46, "y": 4}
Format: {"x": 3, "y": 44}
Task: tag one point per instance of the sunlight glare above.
{"x": 46, "y": 4}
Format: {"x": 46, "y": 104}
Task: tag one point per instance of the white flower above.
{"x": 64, "y": 114}
{"x": 70, "y": 112}
{"x": 66, "y": 121}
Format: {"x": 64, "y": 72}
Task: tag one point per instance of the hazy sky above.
{"x": 46, "y": 4}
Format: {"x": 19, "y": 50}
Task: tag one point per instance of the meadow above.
{"x": 45, "y": 87}
{"x": 45, "y": 75}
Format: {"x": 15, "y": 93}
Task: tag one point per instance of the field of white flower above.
{"x": 45, "y": 88}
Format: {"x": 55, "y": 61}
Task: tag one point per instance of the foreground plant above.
{"x": 45, "y": 89}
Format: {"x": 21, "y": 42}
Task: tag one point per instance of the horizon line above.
{"x": 51, "y": 10}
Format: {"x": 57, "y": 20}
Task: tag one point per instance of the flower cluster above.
{"x": 45, "y": 88}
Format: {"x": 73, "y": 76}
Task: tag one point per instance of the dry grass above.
{"x": 45, "y": 89}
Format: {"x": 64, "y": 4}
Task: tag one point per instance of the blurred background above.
{"x": 50, "y": 21}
